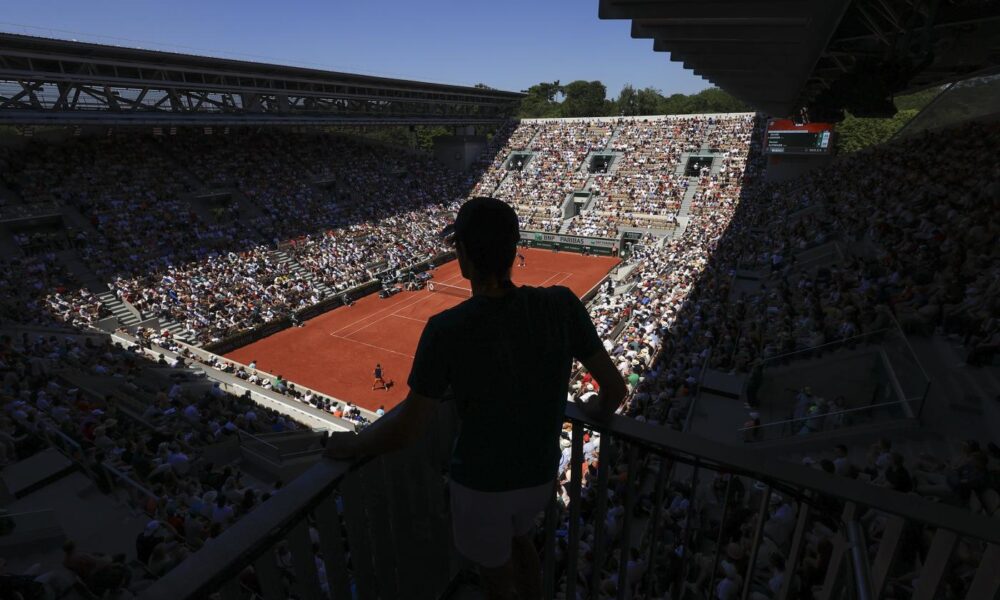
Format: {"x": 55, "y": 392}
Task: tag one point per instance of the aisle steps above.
{"x": 290, "y": 264}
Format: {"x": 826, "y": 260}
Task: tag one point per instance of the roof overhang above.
{"x": 781, "y": 56}
{"x": 760, "y": 52}
{"x": 47, "y": 80}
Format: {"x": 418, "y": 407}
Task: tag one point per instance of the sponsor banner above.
{"x": 571, "y": 240}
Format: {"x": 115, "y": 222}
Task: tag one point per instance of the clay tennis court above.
{"x": 335, "y": 353}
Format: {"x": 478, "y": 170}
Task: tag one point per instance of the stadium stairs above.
{"x": 127, "y": 315}
{"x": 615, "y": 133}
{"x": 290, "y": 264}
{"x": 685, "y": 209}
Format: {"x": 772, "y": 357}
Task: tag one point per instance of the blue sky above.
{"x": 507, "y": 44}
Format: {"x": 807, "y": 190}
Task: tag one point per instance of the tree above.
{"x": 541, "y": 101}
{"x": 855, "y": 133}
{"x": 648, "y": 101}
{"x": 584, "y": 99}
{"x": 628, "y": 101}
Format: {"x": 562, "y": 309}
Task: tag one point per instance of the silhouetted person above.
{"x": 506, "y": 354}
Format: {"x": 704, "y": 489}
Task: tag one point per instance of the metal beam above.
{"x": 39, "y": 76}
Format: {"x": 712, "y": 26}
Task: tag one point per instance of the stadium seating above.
{"x": 916, "y": 219}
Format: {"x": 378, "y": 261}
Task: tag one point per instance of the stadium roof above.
{"x": 780, "y": 56}
{"x": 45, "y": 81}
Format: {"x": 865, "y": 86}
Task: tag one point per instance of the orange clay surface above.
{"x": 335, "y": 353}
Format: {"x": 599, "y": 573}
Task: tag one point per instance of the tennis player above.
{"x": 522, "y": 340}
{"x": 379, "y": 381}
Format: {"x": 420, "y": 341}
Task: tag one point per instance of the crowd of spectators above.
{"x": 155, "y": 342}
{"x": 137, "y": 438}
{"x": 559, "y": 148}
{"x": 346, "y": 210}
{"x": 913, "y": 230}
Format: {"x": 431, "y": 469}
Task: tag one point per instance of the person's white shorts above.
{"x": 485, "y": 522}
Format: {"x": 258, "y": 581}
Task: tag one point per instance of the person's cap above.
{"x": 484, "y": 218}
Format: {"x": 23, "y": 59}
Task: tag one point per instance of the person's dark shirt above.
{"x": 507, "y": 361}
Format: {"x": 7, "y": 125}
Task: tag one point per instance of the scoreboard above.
{"x": 786, "y": 137}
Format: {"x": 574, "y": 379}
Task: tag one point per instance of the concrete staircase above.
{"x": 291, "y": 265}
{"x": 614, "y": 136}
{"x": 685, "y": 209}
{"x": 126, "y": 314}
{"x": 177, "y": 331}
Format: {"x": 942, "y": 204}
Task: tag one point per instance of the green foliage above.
{"x": 650, "y": 101}
{"x": 425, "y": 136}
{"x": 918, "y": 100}
{"x": 584, "y": 99}
{"x": 856, "y": 134}
{"x": 588, "y": 99}
{"x": 541, "y": 101}
{"x": 628, "y": 101}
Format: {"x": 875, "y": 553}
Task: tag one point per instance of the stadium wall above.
{"x": 459, "y": 152}
{"x": 782, "y": 167}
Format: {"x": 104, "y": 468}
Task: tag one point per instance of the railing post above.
{"x": 758, "y": 533}
{"x": 686, "y": 535}
{"x": 576, "y": 477}
{"x": 722, "y": 529}
{"x": 649, "y": 579}
{"x": 859, "y": 561}
{"x": 549, "y": 550}
{"x": 604, "y": 458}
{"x": 625, "y": 546}
{"x": 923, "y": 400}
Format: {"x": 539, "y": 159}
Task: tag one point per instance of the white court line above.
{"x": 398, "y": 307}
{"x": 392, "y": 308}
{"x": 554, "y": 273}
{"x": 372, "y": 346}
{"x": 406, "y": 317}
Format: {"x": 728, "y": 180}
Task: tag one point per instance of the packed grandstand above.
{"x": 780, "y": 438}
{"x": 918, "y": 217}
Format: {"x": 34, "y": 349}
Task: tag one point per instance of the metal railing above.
{"x": 884, "y": 372}
{"x": 389, "y": 515}
{"x": 828, "y": 421}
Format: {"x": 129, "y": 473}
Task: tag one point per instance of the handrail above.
{"x": 916, "y": 358}
{"x": 256, "y": 533}
{"x": 10, "y": 515}
{"x": 125, "y": 478}
{"x": 49, "y": 428}
{"x": 824, "y": 415}
{"x": 825, "y": 344}
{"x": 686, "y": 447}
{"x": 240, "y": 433}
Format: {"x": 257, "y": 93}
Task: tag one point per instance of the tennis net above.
{"x": 444, "y": 288}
